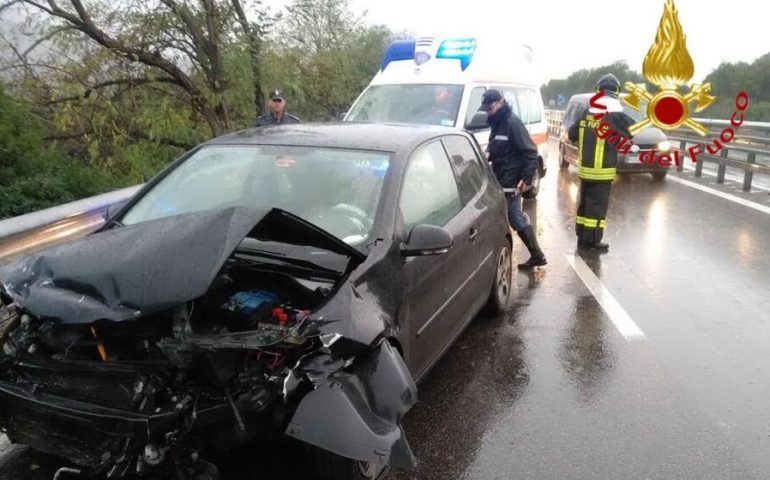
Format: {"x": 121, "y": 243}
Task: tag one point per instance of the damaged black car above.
{"x": 289, "y": 282}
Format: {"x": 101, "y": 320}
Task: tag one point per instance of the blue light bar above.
{"x": 458, "y": 48}
{"x": 399, "y": 50}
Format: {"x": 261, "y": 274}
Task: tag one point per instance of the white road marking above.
{"x": 740, "y": 201}
{"x": 614, "y": 310}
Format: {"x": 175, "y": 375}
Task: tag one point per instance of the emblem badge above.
{"x": 669, "y": 66}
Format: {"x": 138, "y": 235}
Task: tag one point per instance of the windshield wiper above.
{"x": 296, "y": 262}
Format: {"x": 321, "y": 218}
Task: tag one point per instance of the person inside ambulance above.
{"x": 514, "y": 159}
{"x": 442, "y": 108}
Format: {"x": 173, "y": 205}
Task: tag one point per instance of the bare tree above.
{"x": 177, "y": 43}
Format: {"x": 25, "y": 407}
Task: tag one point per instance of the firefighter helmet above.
{"x": 609, "y": 84}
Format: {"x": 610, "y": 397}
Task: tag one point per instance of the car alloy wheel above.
{"x": 503, "y": 279}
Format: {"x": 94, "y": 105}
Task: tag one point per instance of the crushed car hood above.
{"x": 131, "y": 271}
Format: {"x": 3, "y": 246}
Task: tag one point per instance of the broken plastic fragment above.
{"x": 329, "y": 339}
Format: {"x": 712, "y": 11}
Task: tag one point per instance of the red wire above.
{"x": 277, "y": 360}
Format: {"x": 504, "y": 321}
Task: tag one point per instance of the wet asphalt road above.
{"x": 552, "y": 390}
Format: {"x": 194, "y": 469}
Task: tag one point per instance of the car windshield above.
{"x": 425, "y": 104}
{"x": 335, "y": 189}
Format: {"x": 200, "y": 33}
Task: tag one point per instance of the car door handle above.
{"x": 474, "y": 233}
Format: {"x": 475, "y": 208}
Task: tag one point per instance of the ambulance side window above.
{"x": 535, "y": 114}
{"x": 474, "y": 102}
{"x": 523, "y": 96}
{"x": 517, "y": 99}
{"x": 510, "y": 97}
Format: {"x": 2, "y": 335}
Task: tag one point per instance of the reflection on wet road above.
{"x": 552, "y": 390}
{"x": 582, "y": 402}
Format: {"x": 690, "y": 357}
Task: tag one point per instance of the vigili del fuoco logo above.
{"x": 669, "y": 66}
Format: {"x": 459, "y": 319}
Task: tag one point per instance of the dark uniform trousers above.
{"x": 592, "y": 210}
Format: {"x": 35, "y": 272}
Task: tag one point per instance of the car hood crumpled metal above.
{"x": 130, "y": 271}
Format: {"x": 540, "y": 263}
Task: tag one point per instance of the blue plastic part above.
{"x": 399, "y": 50}
{"x": 458, "y": 48}
{"x": 248, "y": 302}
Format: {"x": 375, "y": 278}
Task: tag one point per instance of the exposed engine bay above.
{"x": 143, "y": 396}
{"x": 222, "y": 358}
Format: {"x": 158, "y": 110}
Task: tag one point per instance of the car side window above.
{"x": 429, "y": 192}
{"x": 474, "y": 102}
{"x": 470, "y": 176}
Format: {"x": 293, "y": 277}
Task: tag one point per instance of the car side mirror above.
{"x": 478, "y": 122}
{"x": 113, "y": 209}
{"x": 427, "y": 240}
{"x": 341, "y": 116}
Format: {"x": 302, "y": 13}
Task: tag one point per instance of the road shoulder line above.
{"x": 616, "y": 313}
{"x": 740, "y": 201}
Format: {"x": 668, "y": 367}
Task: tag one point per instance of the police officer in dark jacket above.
{"x": 277, "y": 114}
{"x": 598, "y": 160}
{"x": 514, "y": 160}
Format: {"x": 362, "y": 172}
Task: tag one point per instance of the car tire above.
{"x": 532, "y": 192}
{"x": 330, "y": 466}
{"x": 659, "y": 176}
{"x": 502, "y": 281}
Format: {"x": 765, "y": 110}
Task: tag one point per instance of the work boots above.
{"x": 537, "y": 258}
{"x": 598, "y": 246}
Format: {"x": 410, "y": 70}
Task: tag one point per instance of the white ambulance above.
{"x": 440, "y": 81}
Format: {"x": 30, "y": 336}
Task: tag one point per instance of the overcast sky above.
{"x": 560, "y": 31}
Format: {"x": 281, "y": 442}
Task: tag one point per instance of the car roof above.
{"x": 351, "y": 135}
{"x": 584, "y": 98}
{"x": 580, "y": 97}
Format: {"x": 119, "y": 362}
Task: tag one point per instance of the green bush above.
{"x": 33, "y": 177}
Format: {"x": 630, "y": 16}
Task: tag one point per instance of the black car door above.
{"x": 475, "y": 194}
{"x": 435, "y": 299}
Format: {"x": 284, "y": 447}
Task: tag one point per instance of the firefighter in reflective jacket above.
{"x": 598, "y": 161}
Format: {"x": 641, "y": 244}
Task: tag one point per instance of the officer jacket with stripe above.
{"x": 270, "y": 119}
{"x": 511, "y": 150}
{"x": 598, "y": 157}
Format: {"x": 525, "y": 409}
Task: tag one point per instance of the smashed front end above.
{"x": 124, "y": 389}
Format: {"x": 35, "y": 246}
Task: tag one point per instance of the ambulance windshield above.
{"x": 427, "y": 104}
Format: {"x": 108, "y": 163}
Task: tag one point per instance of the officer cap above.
{"x": 490, "y": 97}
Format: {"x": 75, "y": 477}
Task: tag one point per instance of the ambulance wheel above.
{"x": 659, "y": 176}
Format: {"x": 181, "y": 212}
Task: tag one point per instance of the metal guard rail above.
{"x": 751, "y": 144}
{"x": 38, "y": 230}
